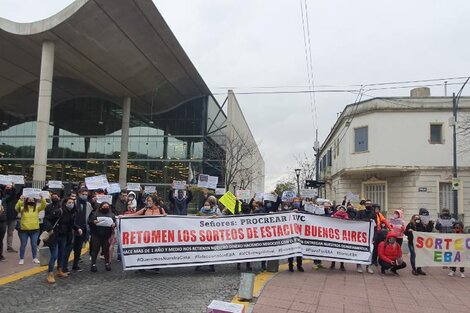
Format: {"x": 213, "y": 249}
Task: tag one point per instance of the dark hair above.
{"x": 156, "y": 199}
{"x": 102, "y": 204}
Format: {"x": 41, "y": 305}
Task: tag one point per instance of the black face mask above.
{"x": 368, "y": 207}
{"x": 55, "y": 200}
{"x": 31, "y": 203}
{"x": 105, "y": 210}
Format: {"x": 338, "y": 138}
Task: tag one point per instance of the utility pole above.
{"x": 316, "y": 148}
{"x": 454, "y": 168}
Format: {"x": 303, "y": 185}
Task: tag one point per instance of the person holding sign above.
{"x": 180, "y": 202}
{"x": 29, "y": 224}
{"x": 458, "y": 229}
{"x": 416, "y": 224}
{"x": 102, "y": 222}
{"x": 153, "y": 206}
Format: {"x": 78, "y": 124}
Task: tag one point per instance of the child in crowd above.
{"x": 398, "y": 225}
{"x": 458, "y": 229}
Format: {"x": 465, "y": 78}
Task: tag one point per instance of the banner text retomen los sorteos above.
{"x": 172, "y": 241}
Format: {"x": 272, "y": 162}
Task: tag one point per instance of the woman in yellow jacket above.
{"x": 29, "y": 224}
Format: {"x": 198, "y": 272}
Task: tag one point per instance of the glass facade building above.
{"x": 85, "y": 140}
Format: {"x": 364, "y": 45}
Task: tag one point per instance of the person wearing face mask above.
{"x": 416, "y": 224}
{"x": 102, "y": 222}
{"x": 83, "y": 208}
{"x": 59, "y": 222}
{"x": 398, "y": 225}
{"x": 29, "y": 224}
{"x": 9, "y": 201}
{"x": 180, "y": 202}
{"x": 390, "y": 255}
{"x": 67, "y": 229}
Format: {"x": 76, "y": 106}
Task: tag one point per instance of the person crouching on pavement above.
{"x": 458, "y": 229}
{"x": 390, "y": 254}
{"x": 102, "y": 222}
{"x": 341, "y": 213}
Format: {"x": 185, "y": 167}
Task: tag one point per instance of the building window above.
{"x": 377, "y": 193}
{"x": 328, "y": 158}
{"x": 436, "y": 133}
{"x": 446, "y": 196}
{"x": 361, "y": 140}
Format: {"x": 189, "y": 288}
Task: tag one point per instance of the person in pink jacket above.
{"x": 398, "y": 225}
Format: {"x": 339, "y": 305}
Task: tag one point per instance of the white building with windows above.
{"x": 397, "y": 152}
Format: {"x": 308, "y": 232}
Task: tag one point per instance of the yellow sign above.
{"x": 229, "y": 201}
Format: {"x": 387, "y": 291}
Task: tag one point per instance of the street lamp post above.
{"x": 234, "y": 185}
{"x": 455, "y": 106}
{"x": 297, "y": 173}
{"x": 242, "y": 184}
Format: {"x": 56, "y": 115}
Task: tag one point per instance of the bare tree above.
{"x": 237, "y": 158}
{"x": 306, "y": 164}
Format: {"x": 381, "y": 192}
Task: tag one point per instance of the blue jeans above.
{"x": 57, "y": 253}
{"x": 33, "y": 237}
{"x": 411, "y": 247}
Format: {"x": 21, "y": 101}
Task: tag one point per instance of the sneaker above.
{"x": 462, "y": 275}
{"x": 94, "y": 269}
{"x": 394, "y": 271}
{"x": 291, "y": 269}
{"x": 2, "y": 259}
{"x": 11, "y": 250}
{"x": 359, "y": 268}
{"x": 101, "y": 257}
{"x": 420, "y": 272}
{"x": 36, "y": 261}
{"x": 300, "y": 269}
{"x": 21, "y": 262}
{"x": 108, "y": 267}
{"x": 414, "y": 272}
{"x": 451, "y": 274}
{"x": 369, "y": 270}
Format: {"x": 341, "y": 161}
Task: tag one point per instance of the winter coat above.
{"x": 379, "y": 220}
{"x": 30, "y": 216}
{"x": 389, "y": 252}
{"x": 417, "y": 227}
{"x": 63, "y": 219}
{"x": 341, "y": 214}
{"x": 398, "y": 224}
{"x": 9, "y": 202}
{"x": 101, "y": 231}
{"x": 120, "y": 207}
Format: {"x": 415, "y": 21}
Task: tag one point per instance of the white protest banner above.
{"x": 244, "y": 194}
{"x": 270, "y": 197}
{"x": 212, "y": 182}
{"x": 177, "y": 241}
{"x": 114, "y": 188}
{"x": 133, "y": 187}
{"x": 104, "y": 198}
{"x": 5, "y": 180}
{"x": 203, "y": 181}
{"x": 179, "y": 185}
{"x": 55, "y": 184}
{"x": 259, "y": 196}
{"x": 436, "y": 249}
{"x": 32, "y": 193}
{"x": 309, "y": 193}
{"x": 350, "y": 197}
{"x": 45, "y": 194}
{"x": 17, "y": 179}
{"x": 219, "y": 191}
{"x": 97, "y": 182}
{"x": 288, "y": 196}
{"x": 150, "y": 189}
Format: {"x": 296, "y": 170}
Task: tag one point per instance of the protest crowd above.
{"x": 65, "y": 222}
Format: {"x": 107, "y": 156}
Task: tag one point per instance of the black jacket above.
{"x": 418, "y": 227}
{"x": 100, "y": 231}
{"x": 63, "y": 219}
{"x": 8, "y": 202}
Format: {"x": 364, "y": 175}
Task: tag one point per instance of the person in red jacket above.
{"x": 390, "y": 254}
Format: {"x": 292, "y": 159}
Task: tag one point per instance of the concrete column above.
{"x": 126, "y": 115}
{"x": 44, "y": 113}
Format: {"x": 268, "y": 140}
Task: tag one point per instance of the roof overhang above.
{"x": 103, "y": 48}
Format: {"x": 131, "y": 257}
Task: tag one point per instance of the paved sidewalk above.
{"x": 336, "y": 291}
{"x": 11, "y": 265}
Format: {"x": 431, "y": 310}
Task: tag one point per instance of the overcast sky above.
{"x": 245, "y": 45}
